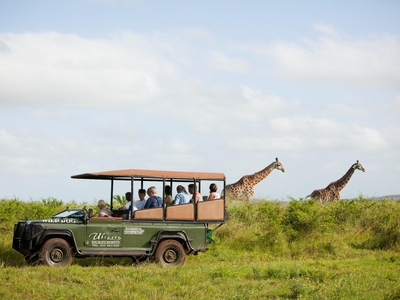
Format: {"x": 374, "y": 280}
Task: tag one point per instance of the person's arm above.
{"x": 147, "y": 204}
{"x": 176, "y": 200}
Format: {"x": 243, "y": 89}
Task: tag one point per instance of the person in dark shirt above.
{"x": 154, "y": 200}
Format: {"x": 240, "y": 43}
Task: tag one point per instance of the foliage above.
{"x": 304, "y": 228}
{"x": 269, "y": 249}
{"x": 119, "y": 200}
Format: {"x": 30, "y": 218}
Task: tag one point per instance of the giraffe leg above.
{"x": 249, "y": 194}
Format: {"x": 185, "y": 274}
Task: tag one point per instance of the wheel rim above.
{"x": 56, "y": 255}
{"x": 170, "y": 256}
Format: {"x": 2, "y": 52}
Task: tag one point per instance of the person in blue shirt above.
{"x": 182, "y": 197}
{"x": 154, "y": 200}
{"x": 141, "y": 202}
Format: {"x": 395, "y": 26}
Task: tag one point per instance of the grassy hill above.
{"x": 267, "y": 250}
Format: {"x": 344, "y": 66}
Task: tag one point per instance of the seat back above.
{"x": 180, "y": 212}
{"x": 155, "y": 213}
{"x": 212, "y": 210}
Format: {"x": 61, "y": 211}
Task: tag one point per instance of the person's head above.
{"x": 168, "y": 190}
{"x": 142, "y": 194}
{"x": 213, "y": 187}
{"x": 128, "y": 196}
{"x": 101, "y": 204}
{"x": 151, "y": 191}
{"x": 180, "y": 189}
{"x": 191, "y": 188}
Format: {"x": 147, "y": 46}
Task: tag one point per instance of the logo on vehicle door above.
{"x": 100, "y": 239}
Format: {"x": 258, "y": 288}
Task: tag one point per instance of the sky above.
{"x": 210, "y": 86}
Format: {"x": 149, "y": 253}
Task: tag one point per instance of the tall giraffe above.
{"x": 332, "y": 191}
{"x": 244, "y": 188}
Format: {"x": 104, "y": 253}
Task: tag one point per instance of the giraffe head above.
{"x": 278, "y": 165}
{"x": 358, "y": 166}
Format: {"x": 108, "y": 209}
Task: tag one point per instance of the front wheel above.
{"x": 56, "y": 253}
{"x": 170, "y": 253}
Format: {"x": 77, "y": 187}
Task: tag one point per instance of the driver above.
{"x": 104, "y": 211}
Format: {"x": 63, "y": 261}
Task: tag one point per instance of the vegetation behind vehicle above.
{"x": 276, "y": 249}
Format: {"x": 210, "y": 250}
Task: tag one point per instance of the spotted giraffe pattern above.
{"x": 332, "y": 191}
{"x": 244, "y": 188}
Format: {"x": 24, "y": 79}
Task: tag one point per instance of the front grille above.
{"x": 19, "y": 229}
{"x": 26, "y": 231}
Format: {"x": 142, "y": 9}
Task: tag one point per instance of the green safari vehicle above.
{"x": 164, "y": 234}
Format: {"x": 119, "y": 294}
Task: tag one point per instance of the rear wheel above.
{"x": 56, "y": 253}
{"x": 170, "y": 253}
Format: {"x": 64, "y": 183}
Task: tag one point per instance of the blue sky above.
{"x": 200, "y": 86}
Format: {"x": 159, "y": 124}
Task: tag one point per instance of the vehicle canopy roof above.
{"x": 150, "y": 174}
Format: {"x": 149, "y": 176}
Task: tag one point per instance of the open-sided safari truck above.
{"x": 166, "y": 234}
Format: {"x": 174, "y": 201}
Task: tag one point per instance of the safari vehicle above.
{"x": 164, "y": 234}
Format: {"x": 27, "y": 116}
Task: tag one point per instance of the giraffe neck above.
{"x": 341, "y": 183}
{"x": 260, "y": 175}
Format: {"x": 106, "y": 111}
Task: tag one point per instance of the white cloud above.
{"x": 234, "y": 65}
{"x": 325, "y": 29}
{"x": 349, "y": 110}
{"x": 326, "y": 134}
{"x": 372, "y": 62}
{"x": 54, "y": 69}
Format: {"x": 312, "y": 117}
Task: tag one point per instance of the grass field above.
{"x": 267, "y": 250}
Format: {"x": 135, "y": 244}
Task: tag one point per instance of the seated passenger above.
{"x": 182, "y": 197}
{"x": 104, "y": 211}
{"x": 154, "y": 200}
{"x": 141, "y": 203}
{"x": 191, "y": 188}
{"x": 168, "y": 196}
{"x": 128, "y": 196}
{"x": 213, "y": 192}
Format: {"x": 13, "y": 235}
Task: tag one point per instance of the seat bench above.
{"x": 183, "y": 212}
{"x": 155, "y": 213}
{"x": 212, "y": 210}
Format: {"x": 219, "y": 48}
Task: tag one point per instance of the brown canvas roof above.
{"x": 127, "y": 174}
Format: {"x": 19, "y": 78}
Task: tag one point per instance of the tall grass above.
{"x": 267, "y": 250}
{"x": 308, "y": 229}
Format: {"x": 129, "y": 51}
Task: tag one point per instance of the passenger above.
{"x": 154, "y": 200}
{"x": 168, "y": 195}
{"x": 104, "y": 211}
{"x": 128, "y": 196}
{"x": 140, "y": 204}
{"x": 182, "y": 197}
{"x": 213, "y": 192}
{"x": 191, "y": 188}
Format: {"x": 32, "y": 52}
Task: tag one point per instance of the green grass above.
{"x": 267, "y": 250}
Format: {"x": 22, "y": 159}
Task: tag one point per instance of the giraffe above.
{"x": 332, "y": 191}
{"x": 244, "y": 188}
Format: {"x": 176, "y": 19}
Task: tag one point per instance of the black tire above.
{"x": 170, "y": 253}
{"x": 56, "y": 253}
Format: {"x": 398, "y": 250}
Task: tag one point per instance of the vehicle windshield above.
{"x": 70, "y": 213}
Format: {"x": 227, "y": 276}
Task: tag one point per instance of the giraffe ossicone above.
{"x": 243, "y": 189}
{"x": 332, "y": 191}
